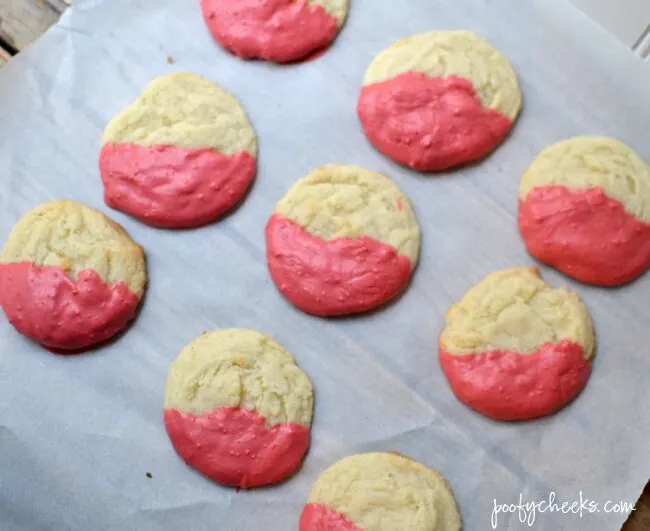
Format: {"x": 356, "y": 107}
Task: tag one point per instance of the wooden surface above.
{"x": 23, "y": 21}
{"x": 4, "y": 57}
{"x": 639, "y": 520}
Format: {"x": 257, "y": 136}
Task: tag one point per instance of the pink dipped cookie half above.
{"x": 438, "y": 100}
{"x": 343, "y": 240}
{"x": 281, "y": 31}
{"x": 182, "y": 155}
{"x": 238, "y": 409}
{"x": 514, "y": 348}
{"x": 70, "y": 277}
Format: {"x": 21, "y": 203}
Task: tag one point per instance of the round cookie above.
{"x": 69, "y": 276}
{"x": 514, "y": 348}
{"x": 584, "y": 208}
{"x": 238, "y": 409}
{"x": 343, "y": 240}
{"x": 182, "y": 155}
{"x": 380, "y": 492}
{"x": 281, "y": 31}
{"x": 438, "y": 100}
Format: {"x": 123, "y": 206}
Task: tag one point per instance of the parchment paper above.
{"x": 78, "y": 434}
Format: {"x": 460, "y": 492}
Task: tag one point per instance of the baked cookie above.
{"x": 438, "y": 100}
{"x": 514, "y": 348}
{"x": 380, "y": 492}
{"x": 281, "y": 31}
{"x": 238, "y": 409}
{"x": 343, "y": 240}
{"x": 69, "y": 276}
{"x": 182, "y": 155}
{"x": 584, "y": 208}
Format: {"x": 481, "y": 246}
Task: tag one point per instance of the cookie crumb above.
{"x": 148, "y": 474}
{"x": 170, "y": 60}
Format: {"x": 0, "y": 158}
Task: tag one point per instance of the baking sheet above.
{"x": 78, "y": 434}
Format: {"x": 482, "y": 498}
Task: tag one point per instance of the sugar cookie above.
{"x": 514, "y": 348}
{"x": 69, "y": 276}
{"x": 343, "y": 240}
{"x": 380, "y": 492}
{"x": 182, "y": 155}
{"x": 584, "y": 208}
{"x": 438, "y": 100}
{"x": 238, "y": 409}
{"x": 281, "y": 31}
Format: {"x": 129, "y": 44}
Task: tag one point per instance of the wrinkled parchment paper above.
{"x": 78, "y": 434}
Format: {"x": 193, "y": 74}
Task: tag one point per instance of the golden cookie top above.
{"x": 337, "y": 8}
{"x": 74, "y": 237}
{"x": 187, "y": 111}
{"x": 453, "y": 53}
{"x": 515, "y": 310}
{"x": 337, "y": 201}
{"x": 387, "y": 492}
{"x": 239, "y": 368}
{"x": 589, "y": 162}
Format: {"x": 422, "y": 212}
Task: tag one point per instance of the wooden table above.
{"x": 23, "y": 21}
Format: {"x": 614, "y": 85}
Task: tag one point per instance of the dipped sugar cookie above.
{"x": 380, "y": 492}
{"x": 438, "y": 100}
{"x": 514, "y": 348}
{"x": 281, "y": 31}
{"x": 238, "y": 409}
{"x": 69, "y": 276}
{"x": 182, "y": 155}
{"x": 343, "y": 240}
{"x": 584, "y": 208}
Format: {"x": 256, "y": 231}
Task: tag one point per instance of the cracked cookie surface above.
{"x": 453, "y": 53}
{"x": 336, "y": 201}
{"x": 380, "y": 492}
{"x": 184, "y": 110}
{"x": 590, "y": 162}
{"x": 71, "y": 236}
{"x": 240, "y": 368}
{"x": 514, "y": 309}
